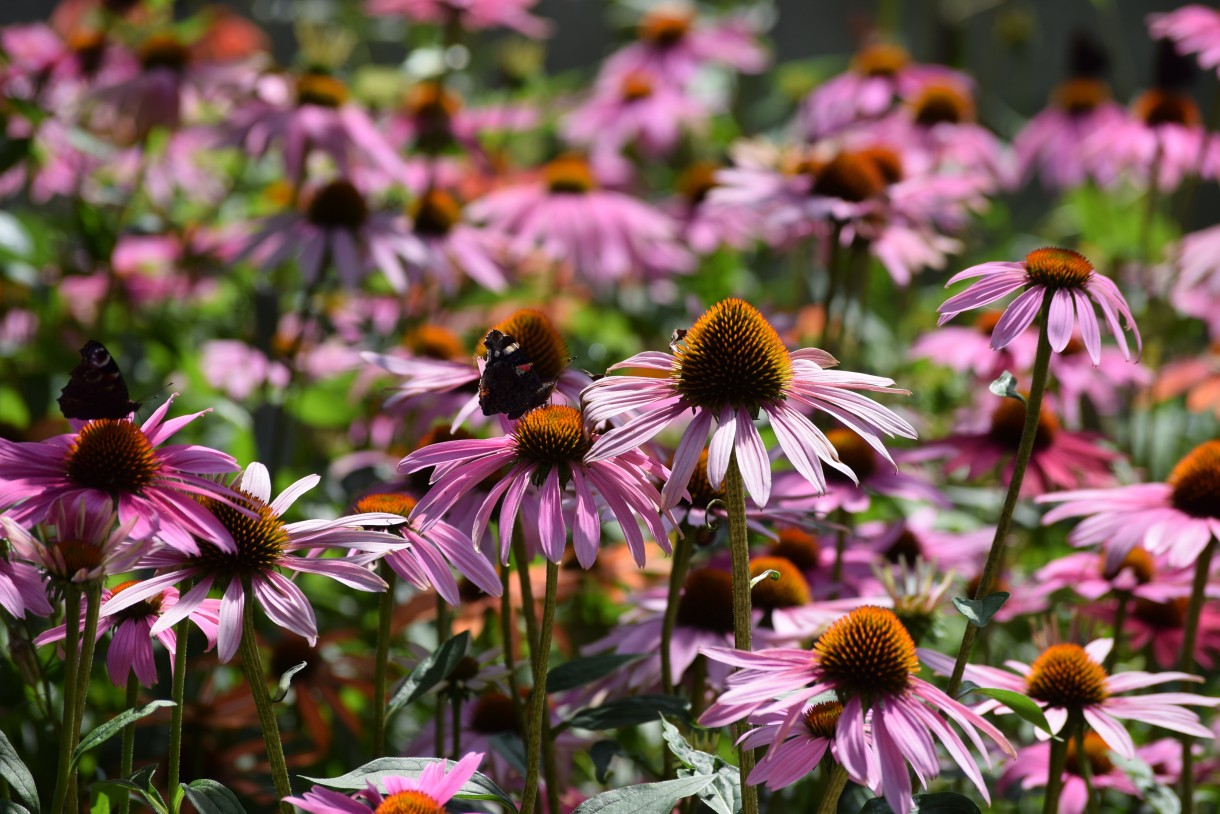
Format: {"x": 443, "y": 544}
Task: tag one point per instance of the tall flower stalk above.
{"x": 739, "y": 553}
{"x": 1187, "y": 664}
{"x": 252, "y": 666}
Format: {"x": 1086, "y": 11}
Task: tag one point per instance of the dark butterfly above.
{"x": 509, "y": 383}
{"x": 95, "y": 388}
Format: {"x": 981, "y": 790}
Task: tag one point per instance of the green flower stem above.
{"x": 506, "y": 634}
{"x": 995, "y": 557}
{"x": 84, "y": 670}
{"x": 527, "y": 597}
{"x": 538, "y": 707}
{"x": 836, "y": 781}
{"x": 1086, "y": 772}
{"x": 739, "y": 551}
{"x": 127, "y": 759}
{"x": 1187, "y": 664}
{"x": 677, "y": 575}
{"x": 252, "y": 665}
{"x": 1120, "y": 621}
{"x": 1054, "y": 777}
{"x": 64, "y": 771}
{"x": 444, "y": 624}
{"x": 381, "y": 667}
{"x": 182, "y": 632}
{"x": 455, "y": 709}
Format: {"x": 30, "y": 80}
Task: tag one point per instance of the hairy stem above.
{"x": 739, "y": 551}
{"x": 381, "y": 667}
{"x": 1187, "y": 663}
{"x": 835, "y": 783}
{"x": 252, "y": 664}
{"x": 536, "y": 728}
{"x": 64, "y": 770}
{"x": 995, "y": 557}
{"x": 127, "y": 759}
{"x": 173, "y": 757}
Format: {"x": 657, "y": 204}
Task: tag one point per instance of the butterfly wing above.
{"x": 510, "y": 384}
{"x": 95, "y": 387}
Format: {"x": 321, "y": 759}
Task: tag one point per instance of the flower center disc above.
{"x": 789, "y": 591}
{"x": 399, "y": 503}
{"x": 665, "y": 26}
{"x": 1158, "y": 106}
{"x": 851, "y": 176}
{"x": 823, "y": 718}
{"x": 164, "y": 51}
{"x": 320, "y": 90}
{"x": 1139, "y": 561}
{"x": 853, "y": 451}
{"x": 146, "y": 607}
{"x": 732, "y": 357}
{"x": 569, "y": 174}
{"x": 707, "y": 601}
{"x": 1058, "y": 268}
{"x": 1066, "y": 676}
{"x": 1080, "y": 95}
{"x": 1196, "y": 482}
{"x": 700, "y": 488}
{"x": 637, "y": 85}
{"x": 76, "y": 555}
{"x": 943, "y": 103}
{"x": 906, "y": 547}
{"x": 880, "y": 59}
{"x": 798, "y": 547}
{"x": 112, "y": 455}
{"x": 696, "y": 181}
{"x": 1095, "y": 751}
{"x": 338, "y": 205}
{"x": 435, "y": 213}
{"x": 409, "y": 802}
{"x": 537, "y": 336}
{"x": 1008, "y": 422}
{"x": 552, "y": 434}
{"x": 868, "y": 653}
{"x": 494, "y": 713}
{"x": 1170, "y": 615}
{"x": 433, "y": 341}
{"x": 260, "y": 540}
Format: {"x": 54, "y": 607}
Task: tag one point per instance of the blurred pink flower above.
{"x": 1055, "y": 142}
{"x": 130, "y": 649}
{"x": 1196, "y": 287}
{"x": 1193, "y": 29}
{"x": 471, "y": 15}
{"x": 22, "y": 589}
{"x": 77, "y": 542}
{"x": 237, "y": 370}
{"x": 435, "y": 786}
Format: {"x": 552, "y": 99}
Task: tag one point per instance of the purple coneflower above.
{"x": 436, "y": 785}
{"x": 116, "y": 462}
{"x": 428, "y": 560}
{"x": 470, "y": 15}
{"x": 80, "y": 542}
{"x": 1072, "y": 279}
{"x": 22, "y": 589}
{"x": 1196, "y": 287}
{"x": 1067, "y": 679}
{"x": 264, "y": 546}
{"x": 601, "y": 235}
{"x": 802, "y": 748}
{"x": 1177, "y": 518}
{"x": 1193, "y": 29}
{"x": 869, "y": 661}
{"x": 548, "y": 448}
{"x": 730, "y": 366}
{"x": 130, "y": 650}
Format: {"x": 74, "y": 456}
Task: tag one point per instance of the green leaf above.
{"x": 9, "y": 807}
{"x": 701, "y": 762}
{"x": 434, "y": 669}
{"x": 17, "y": 775}
{"x": 13, "y": 151}
{"x": 602, "y": 753}
{"x": 1006, "y": 387}
{"x": 582, "y": 671}
{"x": 723, "y": 794}
{"x": 101, "y": 805}
{"x": 621, "y": 712}
{"x": 942, "y": 802}
{"x": 286, "y": 682}
{"x": 509, "y": 746}
{"x": 478, "y": 787}
{"x": 1022, "y": 705}
{"x": 980, "y": 611}
{"x": 114, "y": 726}
{"x": 1162, "y": 799}
{"x": 648, "y": 798}
{"x": 210, "y": 797}
{"x": 141, "y": 783}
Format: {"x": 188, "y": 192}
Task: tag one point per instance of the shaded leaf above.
{"x": 9, "y": 807}
{"x": 286, "y": 682}
{"x": 701, "y": 762}
{"x": 648, "y": 798}
{"x": 980, "y": 611}
{"x": 1022, "y": 705}
{"x": 621, "y": 712}
{"x": 942, "y": 802}
{"x": 434, "y": 669}
{"x": 114, "y": 726}
{"x": 478, "y": 787}
{"x": 210, "y": 797}
{"x": 1006, "y": 387}
{"x": 17, "y": 775}
{"x": 582, "y": 671}
{"x": 510, "y": 747}
{"x": 602, "y": 753}
{"x": 1162, "y": 799}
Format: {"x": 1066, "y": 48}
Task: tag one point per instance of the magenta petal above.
{"x": 1060, "y": 319}
{"x": 228, "y": 636}
{"x": 1017, "y": 317}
